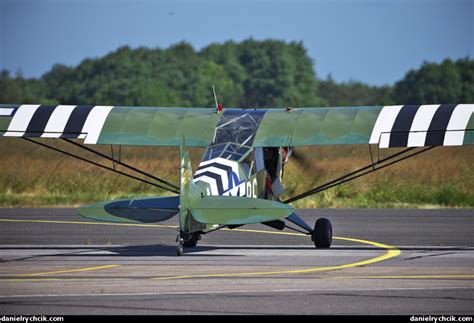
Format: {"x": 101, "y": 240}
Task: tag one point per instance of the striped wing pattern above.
{"x": 422, "y": 125}
{"x": 386, "y": 126}
{"x": 62, "y": 121}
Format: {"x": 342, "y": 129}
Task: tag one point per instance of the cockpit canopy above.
{"x": 235, "y": 152}
{"x": 227, "y": 150}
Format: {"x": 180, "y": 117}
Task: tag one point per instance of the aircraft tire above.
{"x": 192, "y": 240}
{"x": 322, "y": 234}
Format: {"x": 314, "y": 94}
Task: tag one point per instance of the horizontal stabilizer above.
{"x": 143, "y": 210}
{"x": 230, "y": 210}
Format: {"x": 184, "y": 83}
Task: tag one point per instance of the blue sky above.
{"x": 372, "y": 41}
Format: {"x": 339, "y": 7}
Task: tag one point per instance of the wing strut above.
{"x": 373, "y": 167}
{"x": 119, "y": 162}
{"x": 112, "y": 169}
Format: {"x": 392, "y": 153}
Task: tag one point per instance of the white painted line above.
{"x": 209, "y": 180}
{"x": 6, "y": 111}
{"x": 94, "y": 123}
{"x": 221, "y": 172}
{"x": 252, "y": 291}
{"x": 384, "y": 122}
{"x": 419, "y": 127}
{"x": 57, "y": 122}
{"x": 21, "y": 120}
{"x": 457, "y": 125}
{"x": 223, "y": 161}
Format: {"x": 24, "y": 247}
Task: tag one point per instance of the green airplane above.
{"x": 239, "y": 179}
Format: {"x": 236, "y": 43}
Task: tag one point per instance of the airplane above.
{"x": 239, "y": 178}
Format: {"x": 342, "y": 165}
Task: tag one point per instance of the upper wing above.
{"x": 110, "y": 124}
{"x": 387, "y": 126}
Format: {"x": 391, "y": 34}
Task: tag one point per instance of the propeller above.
{"x": 300, "y": 158}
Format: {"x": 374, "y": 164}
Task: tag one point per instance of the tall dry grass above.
{"x": 33, "y": 176}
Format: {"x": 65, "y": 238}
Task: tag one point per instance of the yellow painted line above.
{"x": 76, "y": 270}
{"x": 92, "y": 223}
{"x": 29, "y": 280}
{"x": 390, "y": 253}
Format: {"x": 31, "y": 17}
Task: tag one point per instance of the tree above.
{"x": 447, "y": 82}
{"x": 268, "y": 73}
{"x": 354, "y": 93}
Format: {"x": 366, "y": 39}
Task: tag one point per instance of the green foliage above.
{"x": 20, "y": 90}
{"x": 448, "y": 82}
{"x": 251, "y": 73}
{"x": 248, "y": 74}
{"x": 354, "y": 93}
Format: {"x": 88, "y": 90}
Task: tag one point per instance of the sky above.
{"x": 373, "y": 41}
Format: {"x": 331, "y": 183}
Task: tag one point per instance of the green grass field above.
{"x": 443, "y": 177}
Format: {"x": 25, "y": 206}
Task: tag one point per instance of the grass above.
{"x": 443, "y": 177}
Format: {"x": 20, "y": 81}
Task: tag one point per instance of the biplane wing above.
{"x": 386, "y": 126}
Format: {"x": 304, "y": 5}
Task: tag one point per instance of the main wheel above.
{"x": 322, "y": 234}
{"x": 191, "y": 240}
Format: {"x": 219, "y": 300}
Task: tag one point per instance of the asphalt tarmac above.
{"x": 397, "y": 261}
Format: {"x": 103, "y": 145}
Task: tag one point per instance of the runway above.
{"x": 397, "y": 261}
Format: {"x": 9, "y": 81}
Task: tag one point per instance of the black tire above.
{"x": 191, "y": 241}
{"x": 322, "y": 234}
{"x": 179, "y": 250}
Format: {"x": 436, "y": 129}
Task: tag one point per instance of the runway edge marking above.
{"x": 67, "y": 271}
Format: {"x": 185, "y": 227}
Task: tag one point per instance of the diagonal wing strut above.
{"x": 172, "y": 188}
{"x": 372, "y": 167}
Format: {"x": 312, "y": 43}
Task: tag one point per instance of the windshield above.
{"x": 238, "y": 126}
{"x": 229, "y": 151}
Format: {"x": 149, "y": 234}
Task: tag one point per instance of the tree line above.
{"x": 251, "y": 73}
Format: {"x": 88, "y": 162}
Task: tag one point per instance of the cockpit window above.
{"x": 214, "y": 151}
{"x": 229, "y": 151}
{"x": 238, "y": 126}
{"x": 248, "y": 165}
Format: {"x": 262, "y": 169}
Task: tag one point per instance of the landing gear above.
{"x": 191, "y": 239}
{"x": 187, "y": 240}
{"x": 322, "y": 234}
